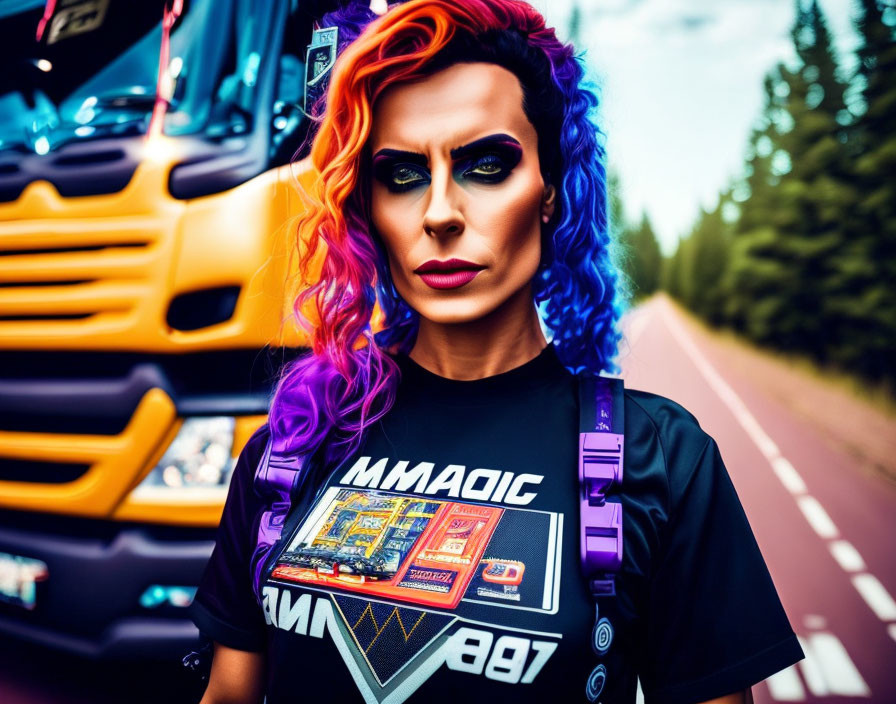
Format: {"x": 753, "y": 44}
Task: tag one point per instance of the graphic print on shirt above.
{"x": 392, "y": 578}
{"x": 423, "y": 552}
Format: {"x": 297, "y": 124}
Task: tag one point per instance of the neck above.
{"x": 506, "y": 338}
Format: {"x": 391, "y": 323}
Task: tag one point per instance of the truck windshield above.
{"x": 93, "y": 73}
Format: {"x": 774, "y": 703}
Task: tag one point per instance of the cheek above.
{"x": 391, "y": 222}
{"x": 515, "y": 218}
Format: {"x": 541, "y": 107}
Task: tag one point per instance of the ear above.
{"x": 548, "y": 203}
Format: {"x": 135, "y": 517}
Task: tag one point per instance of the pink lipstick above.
{"x": 453, "y": 273}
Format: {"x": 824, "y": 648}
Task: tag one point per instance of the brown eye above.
{"x": 489, "y": 168}
{"x": 404, "y": 175}
{"x": 399, "y": 176}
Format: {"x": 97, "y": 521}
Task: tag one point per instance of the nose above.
{"x": 443, "y": 217}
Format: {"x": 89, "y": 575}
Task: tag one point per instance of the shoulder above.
{"x": 243, "y": 504}
{"x": 665, "y": 435}
{"x": 248, "y": 460}
{"x": 660, "y": 415}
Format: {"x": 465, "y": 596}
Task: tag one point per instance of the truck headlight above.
{"x": 200, "y": 457}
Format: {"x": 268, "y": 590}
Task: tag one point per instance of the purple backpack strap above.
{"x": 601, "y": 438}
{"x": 276, "y": 478}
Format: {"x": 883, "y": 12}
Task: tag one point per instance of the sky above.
{"x": 680, "y": 84}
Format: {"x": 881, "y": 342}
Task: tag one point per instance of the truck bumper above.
{"x": 89, "y": 602}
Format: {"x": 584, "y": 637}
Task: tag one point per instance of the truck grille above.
{"x": 76, "y": 273}
{"x": 19, "y": 470}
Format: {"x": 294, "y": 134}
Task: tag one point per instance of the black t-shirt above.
{"x": 442, "y": 560}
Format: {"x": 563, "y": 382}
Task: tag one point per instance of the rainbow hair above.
{"x": 327, "y": 399}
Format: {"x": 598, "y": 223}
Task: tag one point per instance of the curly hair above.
{"x": 326, "y": 400}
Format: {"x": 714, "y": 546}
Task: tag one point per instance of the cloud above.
{"x": 691, "y": 23}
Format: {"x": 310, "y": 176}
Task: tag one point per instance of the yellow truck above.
{"x": 145, "y": 210}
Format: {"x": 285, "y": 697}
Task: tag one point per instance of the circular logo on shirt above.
{"x": 602, "y": 636}
{"x": 595, "y": 684}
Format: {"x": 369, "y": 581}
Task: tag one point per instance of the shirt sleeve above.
{"x": 715, "y": 623}
{"x": 225, "y": 608}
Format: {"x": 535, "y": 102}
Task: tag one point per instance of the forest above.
{"x": 799, "y": 254}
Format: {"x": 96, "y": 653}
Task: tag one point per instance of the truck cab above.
{"x": 148, "y": 183}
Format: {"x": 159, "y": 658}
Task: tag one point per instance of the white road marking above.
{"x": 789, "y": 477}
{"x": 847, "y": 556}
{"x": 814, "y": 622}
{"x": 785, "y": 686}
{"x": 876, "y": 596}
{"x": 839, "y": 670}
{"x": 891, "y": 629}
{"x": 749, "y": 423}
{"x": 639, "y": 699}
{"x": 818, "y": 518}
{"x": 812, "y": 673}
{"x": 636, "y": 327}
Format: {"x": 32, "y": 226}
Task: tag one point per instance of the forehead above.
{"x": 450, "y": 108}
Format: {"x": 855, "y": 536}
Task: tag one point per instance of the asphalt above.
{"x": 823, "y": 517}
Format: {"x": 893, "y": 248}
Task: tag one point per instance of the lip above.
{"x": 450, "y": 265}
{"x": 452, "y": 273}
{"x": 449, "y": 279}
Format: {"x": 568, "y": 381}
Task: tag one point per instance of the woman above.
{"x": 405, "y": 528}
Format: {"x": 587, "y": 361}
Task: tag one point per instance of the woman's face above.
{"x": 457, "y": 194}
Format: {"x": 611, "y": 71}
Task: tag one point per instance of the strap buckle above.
{"x": 600, "y": 465}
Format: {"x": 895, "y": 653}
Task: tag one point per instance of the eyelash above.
{"x": 386, "y": 173}
{"x": 486, "y": 160}
{"x": 388, "y": 178}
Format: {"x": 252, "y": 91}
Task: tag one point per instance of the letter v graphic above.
{"x": 369, "y": 634}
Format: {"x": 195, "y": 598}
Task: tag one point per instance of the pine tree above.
{"x": 618, "y": 224}
{"x": 671, "y": 273}
{"x": 709, "y": 251}
{"x": 876, "y": 71}
{"x": 678, "y": 272}
{"x": 575, "y": 24}
{"x": 783, "y": 286}
{"x": 793, "y": 247}
{"x": 867, "y": 265}
{"x": 817, "y": 192}
{"x": 755, "y": 286}
{"x": 644, "y": 258}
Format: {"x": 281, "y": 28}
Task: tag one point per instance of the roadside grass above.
{"x": 881, "y": 397}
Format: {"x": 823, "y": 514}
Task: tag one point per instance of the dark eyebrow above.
{"x": 492, "y": 140}
{"x": 398, "y": 155}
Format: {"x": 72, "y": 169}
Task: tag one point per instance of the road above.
{"x": 820, "y": 517}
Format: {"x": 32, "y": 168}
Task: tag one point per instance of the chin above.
{"x": 454, "y": 312}
{"x": 452, "y": 316}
